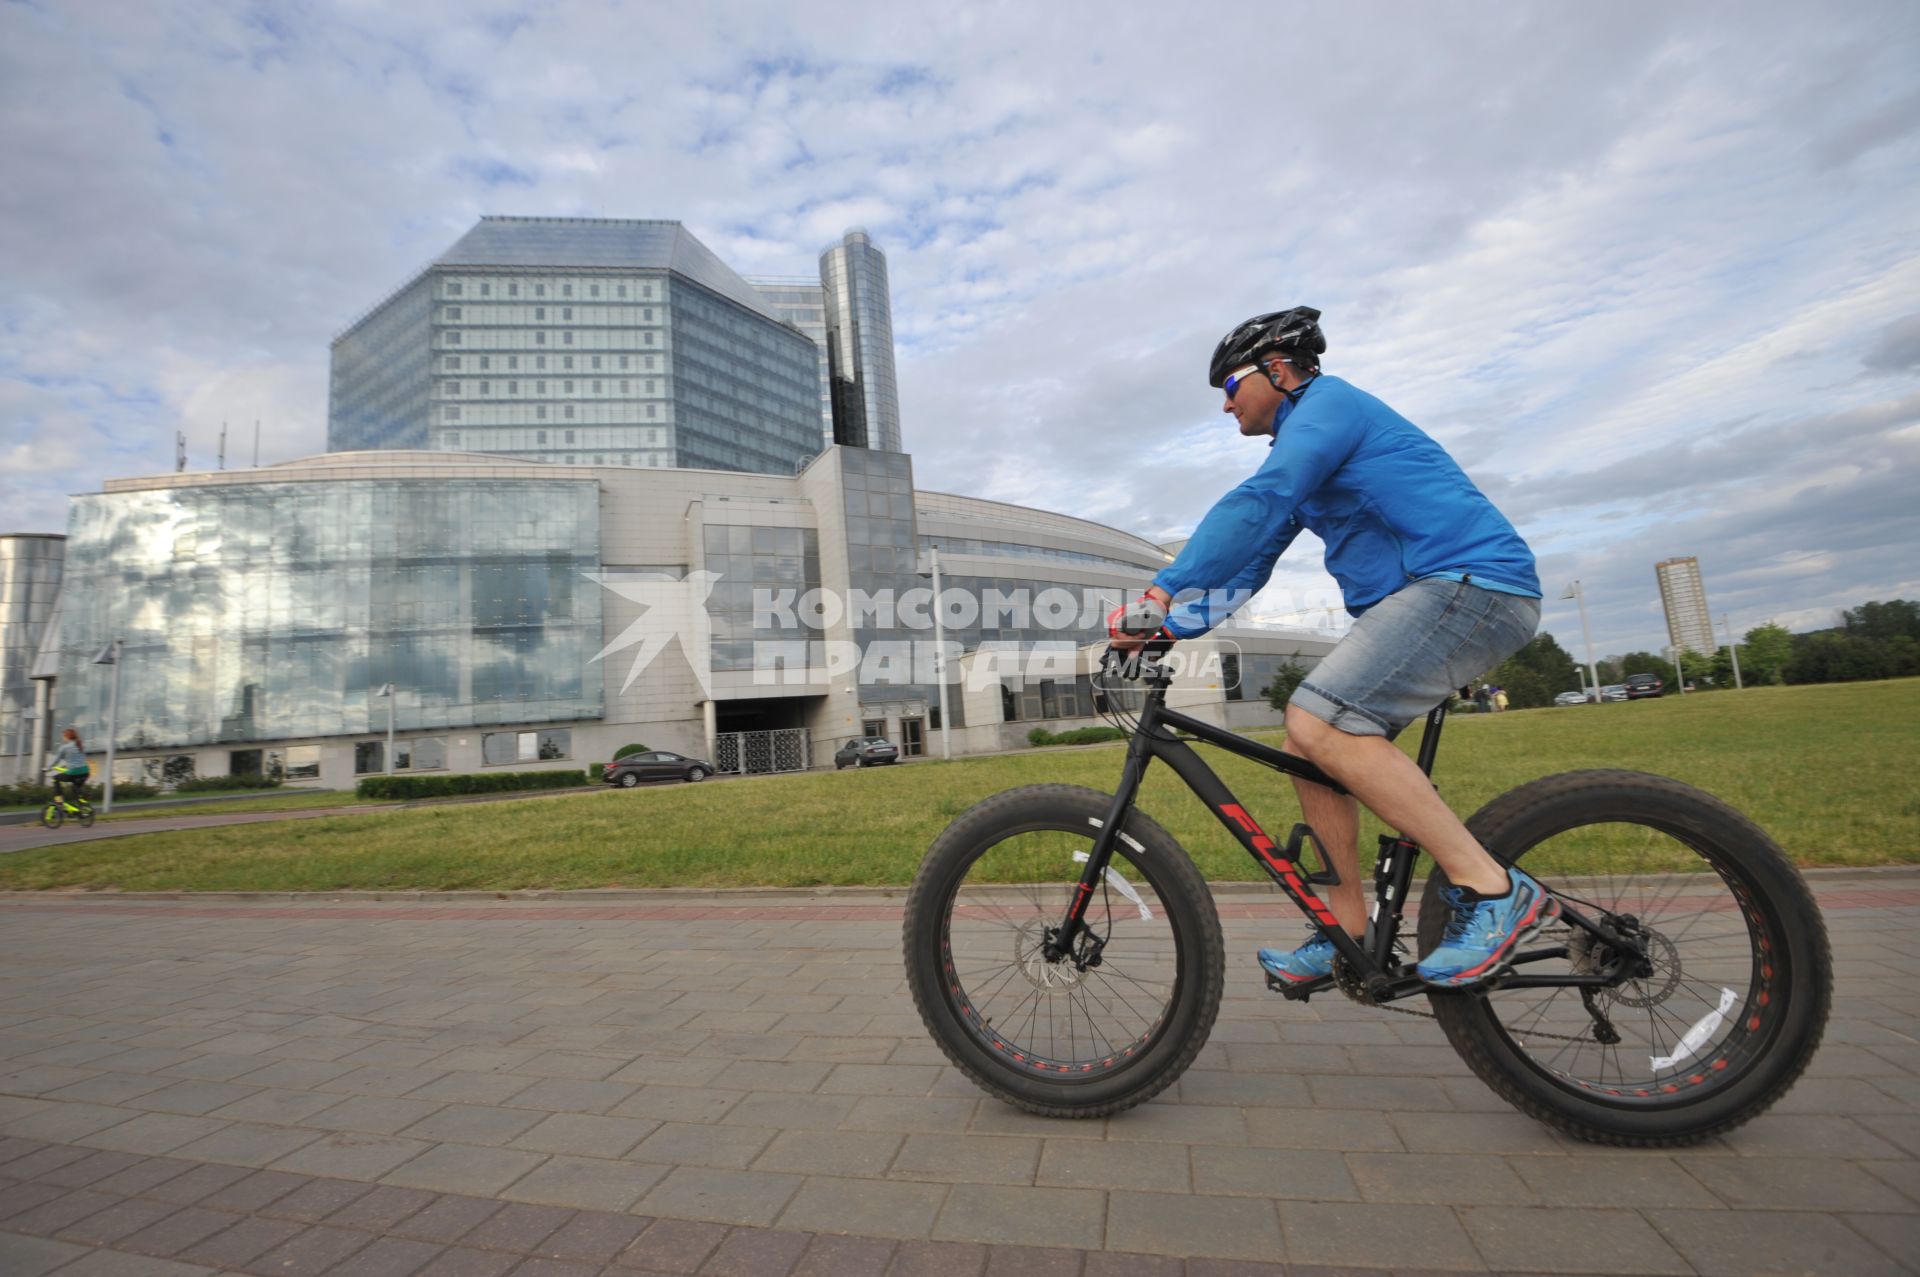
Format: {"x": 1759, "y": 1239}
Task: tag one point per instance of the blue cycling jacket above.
{"x": 1389, "y": 502}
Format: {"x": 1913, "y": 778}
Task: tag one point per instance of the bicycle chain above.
{"x": 1428, "y": 1015}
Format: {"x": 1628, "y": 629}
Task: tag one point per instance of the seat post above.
{"x": 1430, "y": 739}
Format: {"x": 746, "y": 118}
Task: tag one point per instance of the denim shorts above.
{"x": 1410, "y": 651}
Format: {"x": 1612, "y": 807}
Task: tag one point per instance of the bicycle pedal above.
{"x": 1295, "y": 992}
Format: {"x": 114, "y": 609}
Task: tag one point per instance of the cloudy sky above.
{"x": 1651, "y": 271}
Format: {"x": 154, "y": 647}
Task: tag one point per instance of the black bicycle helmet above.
{"x": 1295, "y": 330}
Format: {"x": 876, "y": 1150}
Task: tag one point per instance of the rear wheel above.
{"x": 1069, "y": 1038}
{"x": 1734, "y": 994}
{"x": 629, "y": 779}
{"x": 86, "y": 815}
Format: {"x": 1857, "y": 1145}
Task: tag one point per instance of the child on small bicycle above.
{"x": 69, "y": 768}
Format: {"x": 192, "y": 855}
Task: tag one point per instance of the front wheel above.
{"x": 696, "y": 774}
{"x": 1729, "y": 998}
{"x": 53, "y": 814}
{"x": 1092, "y": 1034}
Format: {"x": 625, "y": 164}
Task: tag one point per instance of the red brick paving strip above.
{"x": 275, "y": 1224}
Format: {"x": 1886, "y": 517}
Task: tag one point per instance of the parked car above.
{"x": 657, "y": 764}
{"x": 1614, "y": 692}
{"x": 1641, "y": 686}
{"x": 1571, "y": 698}
{"x": 865, "y": 751}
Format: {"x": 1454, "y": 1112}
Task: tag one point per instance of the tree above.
{"x": 1545, "y": 657}
{"x": 1608, "y": 667}
{"x": 1765, "y": 653}
{"x": 1285, "y": 680}
{"x": 1895, "y": 619}
{"x": 1698, "y": 668}
{"x": 1648, "y": 663}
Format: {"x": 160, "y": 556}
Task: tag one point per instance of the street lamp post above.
{"x": 386, "y": 690}
{"x": 940, "y": 658}
{"x": 1733, "y": 650}
{"x": 1586, "y": 632}
{"x": 1679, "y": 671}
{"x": 110, "y": 655}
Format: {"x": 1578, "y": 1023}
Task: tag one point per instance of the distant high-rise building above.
{"x": 802, "y": 302}
{"x": 583, "y": 342}
{"x": 1684, "y": 596}
{"x": 859, "y": 321}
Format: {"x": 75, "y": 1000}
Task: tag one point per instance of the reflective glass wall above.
{"x": 865, "y": 393}
{"x": 266, "y": 611}
{"x": 746, "y": 388}
{"x": 30, "y": 568}
{"x": 377, "y": 395}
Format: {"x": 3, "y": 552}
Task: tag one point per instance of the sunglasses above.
{"x": 1233, "y": 383}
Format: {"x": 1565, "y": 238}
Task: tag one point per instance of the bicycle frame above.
{"x": 1372, "y": 960}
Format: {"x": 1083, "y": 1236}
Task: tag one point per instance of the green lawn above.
{"x": 1827, "y": 770}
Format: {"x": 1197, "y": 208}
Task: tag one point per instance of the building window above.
{"x": 569, "y": 458}
{"x": 626, "y": 387}
{"x": 369, "y": 756}
{"x": 539, "y": 387}
{"x": 497, "y": 748}
{"x": 594, "y": 289}
{"x": 486, "y": 387}
{"x": 539, "y": 314}
{"x": 453, "y": 389}
{"x": 453, "y": 313}
{"x": 513, "y": 362}
{"x": 540, "y": 339}
{"x": 648, "y": 338}
{"x": 486, "y": 290}
{"x": 596, "y": 387}
{"x": 569, "y": 386}
{"x": 566, "y": 362}
{"x": 513, "y": 290}
{"x": 566, "y": 339}
{"x": 513, "y": 387}
{"x": 486, "y": 362}
{"x": 453, "y": 413}
{"x": 426, "y": 754}
{"x": 653, "y": 387}
{"x": 540, "y": 412}
{"x": 453, "y": 339}
{"x": 599, "y": 459}
{"x": 540, "y": 363}
{"x": 569, "y": 440}
{"x": 566, "y": 290}
{"x": 596, "y": 362}
{"x": 540, "y": 436}
{"x": 653, "y": 410}
{"x": 646, "y": 314}
{"x": 303, "y": 762}
{"x": 568, "y": 412}
{"x": 539, "y": 290}
{"x": 453, "y": 288}
{"x": 623, "y": 290}
{"x": 566, "y": 312}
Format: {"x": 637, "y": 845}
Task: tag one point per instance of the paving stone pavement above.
{"x": 725, "y": 1084}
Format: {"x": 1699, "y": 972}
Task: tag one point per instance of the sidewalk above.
{"x": 704, "y": 1083}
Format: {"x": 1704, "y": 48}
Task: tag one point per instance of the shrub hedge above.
{"x": 1078, "y": 736}
{"x": 466, "y": 783}
{"x": 624, "y": 750}
{"x": 41, "y": 795}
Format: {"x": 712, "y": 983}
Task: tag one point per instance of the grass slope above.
{"x": 1826, "y": 770}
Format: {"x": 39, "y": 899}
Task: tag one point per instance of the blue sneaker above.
{"x": 1484, "y": 933}
{"x": 1309, "y": 962}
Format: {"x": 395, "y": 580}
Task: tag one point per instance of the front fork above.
{"x": 1060, "y": 941}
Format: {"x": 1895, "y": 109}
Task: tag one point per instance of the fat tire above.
{"x": 1163, "y": 863}
{"x": 1522, "y": 818}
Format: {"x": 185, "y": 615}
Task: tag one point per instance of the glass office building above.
{"x": 859, "y": 321}
{"x": 581, "y": 342}
{"x": 251, "y": 610}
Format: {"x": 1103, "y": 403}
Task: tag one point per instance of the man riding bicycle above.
{"x": 1443, "y": 590}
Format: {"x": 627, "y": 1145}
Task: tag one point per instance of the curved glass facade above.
{"x": 865, "y": 392}
{"x": 273, "y": 611}
{"x": 30, "y": 567}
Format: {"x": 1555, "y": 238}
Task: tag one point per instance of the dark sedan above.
{"x": 658, "y": 764}
{"x": 1642, "y": 686}
{"x": 865, "y": 751}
